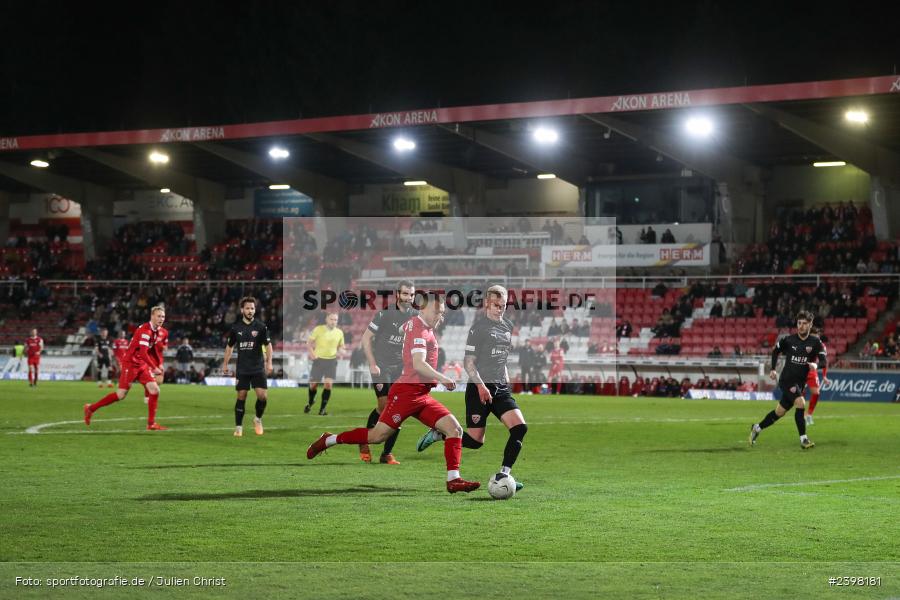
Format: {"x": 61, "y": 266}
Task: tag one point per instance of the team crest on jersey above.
{"x": 396, "y": 419}
{"x": 253, "y": 333}
{"x": 808, "y": 349}
{"x": 476, "y": 419}
{"x": 793, "y": 389}
{"x": 379, "y": 386}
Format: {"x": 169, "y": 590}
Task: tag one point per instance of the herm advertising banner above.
{"x": 627, "y": 255}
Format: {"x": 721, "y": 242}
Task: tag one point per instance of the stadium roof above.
{"x": 600, "y": 138}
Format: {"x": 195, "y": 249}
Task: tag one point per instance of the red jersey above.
{"x": 138, "y": 354}
{"x": 418, "y": 337}
{"x": 120, "y": 347}
{"x": 557, "y": 357}
{"x": 33, "y": 346}
{"x": 156, "y": 350}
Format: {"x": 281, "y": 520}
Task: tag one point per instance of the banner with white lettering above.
{"x": 865, "y": 386}
{"x": 633, "y": 255}
{"x": 53, "y": 368}
{"x": 696, "y": 394}
{"x": 230, "y": 381}
{"x": 275, "y": 204}
{"x": 152, "y": 205}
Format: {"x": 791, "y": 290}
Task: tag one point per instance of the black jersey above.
{"x": 248, "y": 340}
{"x": 387, "y": 341}
{"x": 103, "y": 347}
{"x": 797, "y": 354}
{"x": 489, "y": 342}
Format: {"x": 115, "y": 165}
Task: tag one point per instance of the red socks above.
{"x": 813, "y": 398}
{"x": 152, "y": 400}
{"x": 107, "y": 399}
{"x": 359, "y": 435}
{"x": 453, "y": 453}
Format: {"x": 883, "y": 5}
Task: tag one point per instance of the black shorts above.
{"x": 790, "y": 392}
{"x": 103, "y": 361}
{"x": 383, "y": 382}
{"x": 323, "y": 368}
{"x": 255, "y": 381}
{"x": 477, "y": 413}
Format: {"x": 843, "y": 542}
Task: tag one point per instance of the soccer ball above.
{"x": 502, "y": 487}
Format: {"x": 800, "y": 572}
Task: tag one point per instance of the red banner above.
{"x": 463, "y": 114}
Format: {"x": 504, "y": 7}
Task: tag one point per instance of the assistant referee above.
{"x": 324, "y": 343}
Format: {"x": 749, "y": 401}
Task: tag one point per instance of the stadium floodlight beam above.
{"x": 546, "y": 176}
{"x": 859, "y": 117}
{"x": 700, "y": 127}
{"x": 164, "y": 190}
{"x": 40, "y": 164}
{"x": 545, "y": 135}
{"x": 279, "y": 186}
{"x": 830, "y": 163}
{"x": 159, "y": 158}
{"x": 278, "y": 153}
{"x": 415, "y": 182}
{"x": 402, "y": 144}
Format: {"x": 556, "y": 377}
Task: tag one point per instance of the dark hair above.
{"x": 405, "y": 283}
{"x": 247, "y": 299}
{"x": 805, "y": 315}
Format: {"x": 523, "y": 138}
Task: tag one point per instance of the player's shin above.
{"x": 514, "y": 444}
{"x": 453, "y": 455}
{"x": 800, "y": 421}
{"x": 239, "y": 407}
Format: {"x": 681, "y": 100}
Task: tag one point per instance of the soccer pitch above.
{"x": 623, "y": 497}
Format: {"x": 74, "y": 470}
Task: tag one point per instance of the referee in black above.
{"x": 104, "y": 362}
{"x": 251, "y": 338}
{"x": 382, "y": 343}
{"x": 803, "y": 353}
{"x": 487, "y": 350}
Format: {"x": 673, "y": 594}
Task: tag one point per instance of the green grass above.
{"x": 624, "y": 498}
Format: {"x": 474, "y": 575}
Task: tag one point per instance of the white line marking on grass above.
{"x": 38, "y": 428}
{"x": 762, "y": 486}
{"x": 106, "y": 431}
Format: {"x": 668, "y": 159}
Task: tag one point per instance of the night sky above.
{"x": 73, "y": 67}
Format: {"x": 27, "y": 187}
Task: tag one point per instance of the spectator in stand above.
{"x": 624, "y": 330}
{"x": 660, "y": 290}
{"x": 667, "y": 237}
{"x": 184, "y": 357}
{"x": 651, "y": 235}
{"x": 716, "y": 310}
{"x": 716, "y": 353}
{"x": 618, "y": 236}
{"x": 728, "y": 311}
{"x": 737, "y": 352}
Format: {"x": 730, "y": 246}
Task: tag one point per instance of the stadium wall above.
{"x": 809, "y": 186}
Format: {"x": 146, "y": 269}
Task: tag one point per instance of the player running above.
{"x": 557, "y": 366}
{"x": 324, "y": 343}
{"x": 103, "y": 354}
{"x": 410, "y": 397}
{"x": 382, "y": 343}
{"x": 803, "y": 353}
{"x": 812, "y": 382}
{"x": 251, "y": 337}
{"x": 34, "y": 345}
{"x": 137, "y": 366}
{"x": 155, "y": 353}
{"x": 487, "y": 350}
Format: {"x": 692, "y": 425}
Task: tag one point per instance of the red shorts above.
{"x": 555, "y": 371}
{"x": 812, "y": 380}
{"x": 34, "y": 360}
{"x": 131, "y": 373}
{"x": 405, "y": 400}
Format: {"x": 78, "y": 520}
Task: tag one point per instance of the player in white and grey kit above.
{"x": 487, "y": 350}
{"x": 382, "y": 343}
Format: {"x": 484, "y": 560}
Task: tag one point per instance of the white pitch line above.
{"x": 38, "y": 428}
{"x": 761, "y": 486}
{"x": 106, "y": 431}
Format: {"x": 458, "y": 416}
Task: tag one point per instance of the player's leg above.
{"x": 782, "y": 407}
{"x": 151, "y": 388}
{"x": 360, "y": 435}
{"x": 365, "y": 453}
{"x": 476, "y": 419}
{"x": 387, "y": 451}
{"x": 159, "y": 381}
{"x": 326, "y": 393}
{"x": 242, "y": 386}
{"x": 813, "y": 400}
{"x": 799, "y": 407}
{"x": 315, "y": 375}
{"x": 515, "y": 424}
{"x": 128, "y": 375}
{"x": 260, "y": 386}
{"x": 452, "y": 432}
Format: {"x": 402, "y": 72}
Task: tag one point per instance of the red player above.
{"x": 137, "y": 365}
{"x": 557, "y": 364}
{"x": 33, "y": 348}
{"x": 120, "y": 348}
{"x": 155, "y": 353}
{"x": 410, "y": 397}
{"x": 812, "y": 382}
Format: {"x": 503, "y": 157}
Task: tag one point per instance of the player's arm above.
{"x": 366, "y": 345}
{"x": 270, "y": 351}
{"x": 426, "y": 370}
{"x": 775, "y": 352}
{"x": 311, "y": 345}
{"x": 821, "y": 360}
{"x": 229, "y": 348}
{"x": 484, "y": 394}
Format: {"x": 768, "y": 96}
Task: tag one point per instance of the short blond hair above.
{"x": 157, "y": 308}
{"x": 498, "y": 290}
